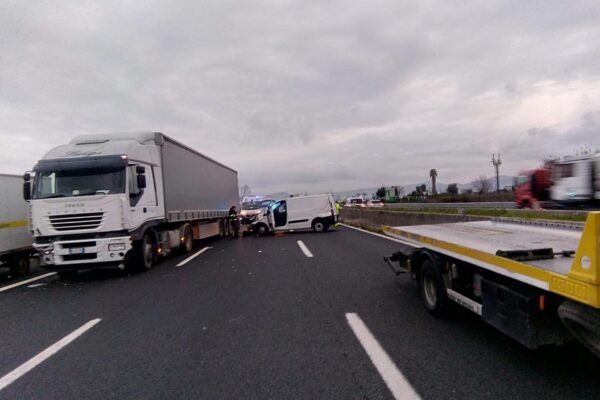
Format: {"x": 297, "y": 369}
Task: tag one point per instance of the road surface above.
{"x": 266, "y": 318}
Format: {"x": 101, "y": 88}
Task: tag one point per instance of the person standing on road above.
{"x": 233, "y": 222}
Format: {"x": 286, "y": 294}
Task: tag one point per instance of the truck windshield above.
{"x": 79, "y": 182}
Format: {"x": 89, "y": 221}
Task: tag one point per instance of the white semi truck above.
{"x": 537, "y": 282}
{"x": 15, "y": 239}
{"x": 123, "y": 200}
{"x": 576, "y": 181}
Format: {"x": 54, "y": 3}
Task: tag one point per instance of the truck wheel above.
{"x": 432, "y": 289}
{"x": 188, "y": 240}
{"x": 19, "y": 266}
{"x": 260, "y": 229}
{"x": 583, "y": 322}
{"x": 319, "y": 226}
{"x": 147, "y": 253}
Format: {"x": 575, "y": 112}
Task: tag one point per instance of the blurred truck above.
{"x": 576, "y": 181}
{"x": 123, "y": 200}
{"x": 15, "y": 238}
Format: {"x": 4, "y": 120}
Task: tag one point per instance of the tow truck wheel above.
{"x": 432, "y": 289}
{"x": 583, "y": 322}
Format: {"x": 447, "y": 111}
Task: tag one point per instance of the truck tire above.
{"x": 260, "y": 229}
{"x": 431, "y": 287}
{"x": 319, "y": 226}
{"x": 146, "y": 253}
{"x": 583, "y": 322}
{"x": 188, "y": 240}
{"x": 19, "y": 266}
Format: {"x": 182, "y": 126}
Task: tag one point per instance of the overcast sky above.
{"x": 308, "y": 95}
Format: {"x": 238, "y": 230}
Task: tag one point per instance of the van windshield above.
{"x": 79, "y": 182}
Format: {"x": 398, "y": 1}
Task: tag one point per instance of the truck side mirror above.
{"x": 141, "y": 181}
{"x": 27, "y": 190}
{"x": 140, "y": 169}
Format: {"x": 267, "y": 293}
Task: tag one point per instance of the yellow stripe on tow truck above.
{"x": 581, "y": 284}
{"x": 13, "y": 224}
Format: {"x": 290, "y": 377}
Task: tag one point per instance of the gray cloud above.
{"x": 307, "y": 96}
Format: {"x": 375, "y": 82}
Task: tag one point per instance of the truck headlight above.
{"x": 116, "y": 247}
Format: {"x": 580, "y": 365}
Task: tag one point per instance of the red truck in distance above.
{"x": 531, "y": 187}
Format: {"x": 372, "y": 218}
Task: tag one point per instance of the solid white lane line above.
{"x": 379, "y": 235}
{"x": 44, "y": 355}
{"x": 26, "y": 281}
{"x": 304, "y": 249}
{"x": 393, "y": 378}
{"x": 190, "y": 258}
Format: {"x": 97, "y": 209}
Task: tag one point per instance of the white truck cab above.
{"x": 317, "y": 212}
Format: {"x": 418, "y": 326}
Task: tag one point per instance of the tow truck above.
{"x": 536, "y": 281}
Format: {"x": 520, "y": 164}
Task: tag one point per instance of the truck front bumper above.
{"x": 84, "y": 251}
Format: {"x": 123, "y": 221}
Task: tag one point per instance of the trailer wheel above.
{"x": 583, "y": 322}
{"x": 19, "y": 266}
{"x": 318, "y": 225}
{"x": 432, "y": 289}
{"x": 188, "y": 240}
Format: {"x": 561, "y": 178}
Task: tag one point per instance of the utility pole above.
{"x": 496, "y": 162}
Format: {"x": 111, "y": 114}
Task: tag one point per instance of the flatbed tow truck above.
{"x": 529, "y": 279}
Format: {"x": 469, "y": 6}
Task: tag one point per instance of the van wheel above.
{"x": 319, "y": 226}
{"x": 188, "y": 240}
{"x": 432, "y": 289}
{"x": 260, "y": 229}
{"x": 583, "y": 322}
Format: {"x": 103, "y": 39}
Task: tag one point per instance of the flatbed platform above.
{"x": 569, "y": 268}
{"x": 489, "y": 237}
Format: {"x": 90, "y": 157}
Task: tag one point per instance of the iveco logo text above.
{"x": 75, "y": 205}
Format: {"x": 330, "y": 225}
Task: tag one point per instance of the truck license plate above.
{"x": 77, "y": 250}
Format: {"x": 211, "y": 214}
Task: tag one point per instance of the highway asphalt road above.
{"x": 258, "y": 318}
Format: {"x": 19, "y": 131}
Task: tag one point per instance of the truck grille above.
{"x": 73, "y": 222}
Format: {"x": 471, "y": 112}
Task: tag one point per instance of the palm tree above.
{"x": 433, "y": 176}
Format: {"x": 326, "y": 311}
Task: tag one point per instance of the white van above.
{"x": 316, "y": 212}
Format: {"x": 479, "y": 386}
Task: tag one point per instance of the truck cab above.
{"x": 86, "y": 200}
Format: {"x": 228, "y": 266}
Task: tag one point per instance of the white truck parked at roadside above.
{"x": 315, "y": 212}
{"x": 15, "y": 239}
{"x": 122, "y": 200}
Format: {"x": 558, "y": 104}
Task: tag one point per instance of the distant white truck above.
{"x": 123, "y": 200}
{"x": 317, "y": 212}
{"x": 576, "y": 181}
{"x": 15, "y": 238}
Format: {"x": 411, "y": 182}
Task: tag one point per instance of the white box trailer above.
{"x": 15, "y": 238}
{"x": 522, "y": 277}
{"x": 125, "y": 199}
{"x": 316, "y": 212}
